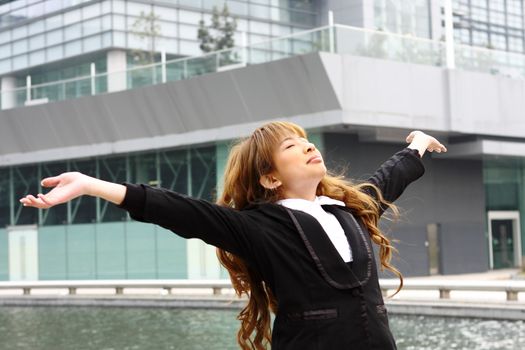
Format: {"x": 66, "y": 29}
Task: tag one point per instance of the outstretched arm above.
{"x": 68, "y": 186}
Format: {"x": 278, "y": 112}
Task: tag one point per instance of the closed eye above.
{"x": 289, "y": 146}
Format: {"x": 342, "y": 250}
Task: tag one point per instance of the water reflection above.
{"x": 68, "y": 328}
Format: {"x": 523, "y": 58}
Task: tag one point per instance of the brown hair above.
{"x": 251, "y": 158}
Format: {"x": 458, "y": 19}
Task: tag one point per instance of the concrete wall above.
{"x": 450, "y": 194}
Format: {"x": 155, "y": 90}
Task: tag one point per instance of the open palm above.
{"x": 66, "y": 187}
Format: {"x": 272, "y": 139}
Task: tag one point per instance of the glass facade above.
{"x": 403, "y": 17}
{"x": 39, "y": 33}
{"x": 89, "y": 238}
{"x": 494, "y": 24}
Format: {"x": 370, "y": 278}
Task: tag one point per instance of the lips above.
{"x": 313, "y": 158}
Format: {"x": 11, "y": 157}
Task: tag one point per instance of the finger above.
{"x": 44, "y": 199}
{"x": 50, "y": 181}
{"x": 31, "y": 201}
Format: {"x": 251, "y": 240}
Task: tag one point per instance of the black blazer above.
{"x": 323, "y": 303}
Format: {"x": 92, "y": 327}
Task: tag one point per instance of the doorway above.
{"x": 504, "y": 239}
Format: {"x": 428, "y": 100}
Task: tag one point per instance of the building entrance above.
{"x": 504, "y": 239}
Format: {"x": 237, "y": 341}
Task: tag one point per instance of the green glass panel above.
{"x": 4, "y": 198}
{"x": 203, "y": 173}
{"x": 173, "y": 170}
{"x": 81, "y": 251}
{"x": 25, "y": 180}
{"x": 144, "y": 169}
{"x": 110, "y": 248}
{"x": 171, "y": 254}
{"x": 4, "y": 257}
{"x": 140, "y": 249}
{"x": 52, "y": 259}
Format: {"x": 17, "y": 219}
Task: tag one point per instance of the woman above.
{"x": 296, "y": 240}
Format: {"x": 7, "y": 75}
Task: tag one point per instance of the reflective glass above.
{"x": 36, "y": 42}
{"x": 37, "y": 57}
{"x": 19, "y": 46}
{"x": 25, "y": 180}
{"x": 91, "y": 11}
{"x": 71, "y": 17}
{"x": 114, "y": 170}
{"x": 56, "y": 215}
{"x": 5, "y": 201}
{"x": 73, "y": 48}
{"x": 54, "y": 22}
{"x": 36, "y": 27}
{"x": 91, "y": 26}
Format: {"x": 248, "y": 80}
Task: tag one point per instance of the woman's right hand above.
{"x": 67, "y": 186}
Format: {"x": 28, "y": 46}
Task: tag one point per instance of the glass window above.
{"x": 106, "y": 39}
{"x": 259, "y": 11}
{"x": 54, "y": 37}
{"x": 498, "y": 5}
{"x": 92, "y": 43}
{"x": 91, "y": 26}
{"x": 119, "y": 39}
{"x": 54, "y": 22}
{"x": 52, "y": 6}
{"x": 106, "y": 7}
{"x": 19, "y": 32}
{"x": 260, "y": 28}
{"x": 73, "y": 48}
{"x": 189, "y": 48}
{"x": 498, "y": 41}
{"x": 72, "y": 17}
{"x": 119, "y": 6}
{"x": 5, "y": 65}
{"x": 188, "y": 32}
{"x": 35, "y": 10}
{"x": 479, "y": 38}
{"x": 165, "y": 13}
{"x": 514, "y": 21}
{"x": 5, "y": 201}
{"x": 36, "y": 42}
{"x": 36, "y": 27}
{"x": 5, "y": 50}
{"x": 37, "y": 57}
{"x": 189, "y": 17}
{"x": 238, "y": 8}
{"x": 119, "y": 22}
{"x": 135, "y": 9}
{"x": 168, "y": 29}
{"x": 91, "y": 11}
{"x": 209, "y": 4}
{"x": 5, "y": 36}
{"x": 203, "y": 172}
{"x": 190, "y": 3}
{"x": 516, "y": 44}
{"x": 72, "y": 32}
{"x": 25, "y": 180}
{"x": 19, "y": 46}
{"x": 55, "y": 53}
{"x": 19, "y": 14}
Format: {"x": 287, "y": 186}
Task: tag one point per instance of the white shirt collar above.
{"x": 320, "y": 200}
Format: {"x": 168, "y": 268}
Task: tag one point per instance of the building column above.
{"x": 116, "y": 68}
{"x": 8, "y": 95}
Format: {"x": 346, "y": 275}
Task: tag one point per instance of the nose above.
{"x": 309, "y": 147}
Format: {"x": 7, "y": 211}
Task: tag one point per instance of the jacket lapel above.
{"x": 362, "y": 253}
{"x": 327, "y": 259}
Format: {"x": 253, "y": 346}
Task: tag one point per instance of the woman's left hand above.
{"x": 423, "y": 142}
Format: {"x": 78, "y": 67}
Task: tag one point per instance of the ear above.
{"x": 269, "y": 182}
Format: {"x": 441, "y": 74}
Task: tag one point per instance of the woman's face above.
{"x": 299, "y": 166}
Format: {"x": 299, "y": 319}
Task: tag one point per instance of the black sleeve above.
{"x": 394, "y": 175}
{"x": 188, "y": 217}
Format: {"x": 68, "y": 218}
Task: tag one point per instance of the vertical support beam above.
{"x": 449, "y": 34}
{"x": 163, "y": 65}
{"x": 28, "y": 88}
{"x": 244, "y": 44}
{"x": 8, "y": 93}
{"x": 331, "y": 31}
{"x": 117, "y": 75}
{"x": 93, "y": 82}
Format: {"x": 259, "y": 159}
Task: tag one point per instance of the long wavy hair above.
{"x": 251, "y": 158}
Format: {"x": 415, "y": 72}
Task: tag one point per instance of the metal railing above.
{"x": 511, "y": 287}
{"x": 335, "y": 38}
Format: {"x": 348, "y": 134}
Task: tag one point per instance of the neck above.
{"x": 307, "y": 195}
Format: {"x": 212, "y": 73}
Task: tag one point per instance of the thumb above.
{"x": 50, "y": 181}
